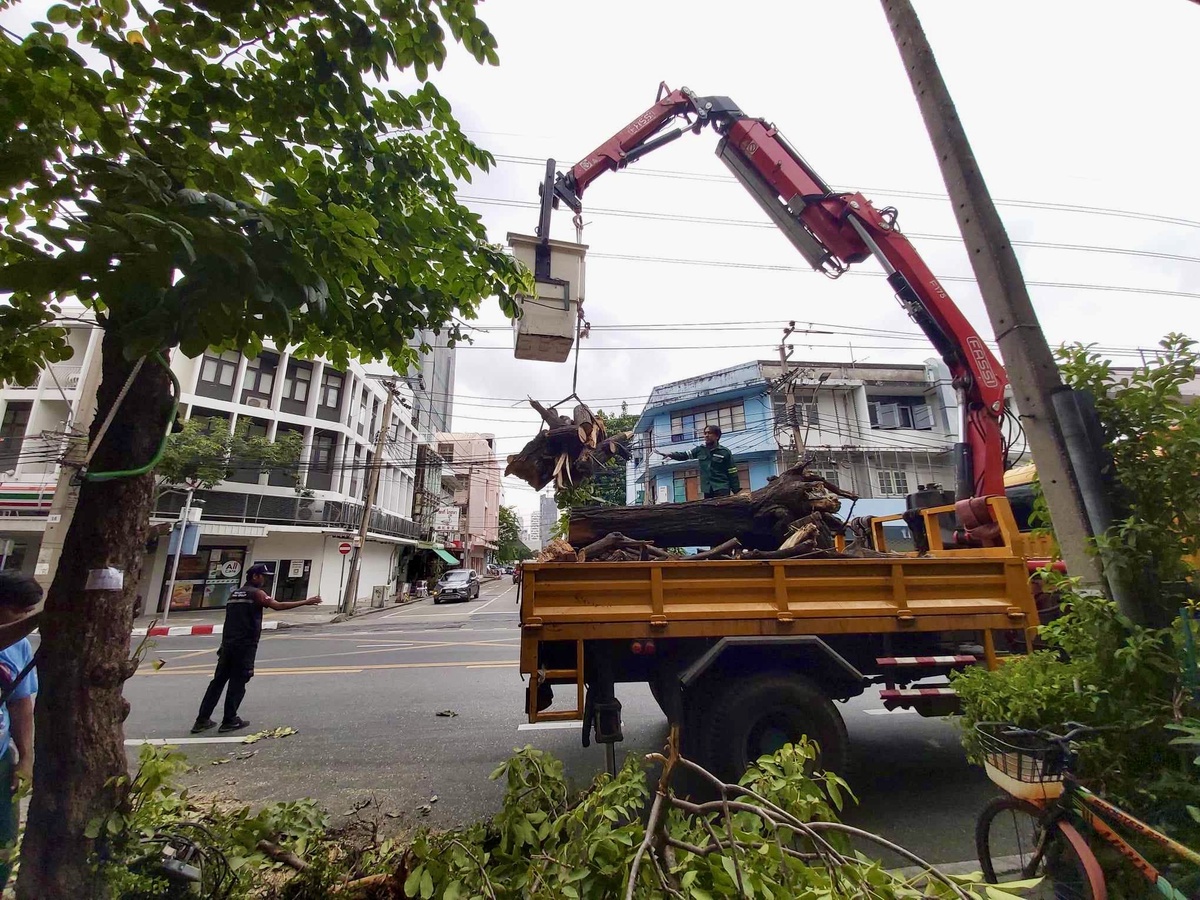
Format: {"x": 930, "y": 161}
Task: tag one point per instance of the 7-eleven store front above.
{"x": 23, "y": 510}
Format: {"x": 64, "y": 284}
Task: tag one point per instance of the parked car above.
{"x": 457, "y": 584}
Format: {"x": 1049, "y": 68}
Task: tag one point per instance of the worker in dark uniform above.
{"x": 718, "y": 474}
{"x": 239, "y": 644}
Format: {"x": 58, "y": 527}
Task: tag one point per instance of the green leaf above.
{"x": 426, "y": 885}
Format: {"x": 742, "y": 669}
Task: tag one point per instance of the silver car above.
{"x": 457, "y": 584}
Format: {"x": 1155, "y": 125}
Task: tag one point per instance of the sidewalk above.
{"x": 210, "y": 621}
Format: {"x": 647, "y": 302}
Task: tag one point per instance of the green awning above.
{"x": 446, "y": 556}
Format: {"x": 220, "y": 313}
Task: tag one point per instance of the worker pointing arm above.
{"x": 718, "y": 474}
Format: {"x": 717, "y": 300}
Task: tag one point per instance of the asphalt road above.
{"x": 364, "y": 698}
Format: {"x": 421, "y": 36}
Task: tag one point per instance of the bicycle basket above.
{"x": 1022, "y": 763}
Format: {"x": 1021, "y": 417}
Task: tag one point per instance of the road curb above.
{"x": 182, "y": 630}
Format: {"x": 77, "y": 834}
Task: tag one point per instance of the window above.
{"x": 331, "y": 389}
{"x": 830, "y": 475}
{"x": 297, "y": 382}
{"x": 219, "y": 369}
{"x": 12, "y": 433}
{"x": 446, "y": 452}
{"x": 689, "y": 426}
{"x": 259, "y": 380}
{"x": 900, "y": 412}
{"x": 809, "y": 414}
{"x": 320, "y": 464}
{"x": 892, "y": 482}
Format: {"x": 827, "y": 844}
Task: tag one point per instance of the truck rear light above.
{"x": 648, "y": 648}
{"x": 642, "y": 648}
{"x": 636, "y": 647}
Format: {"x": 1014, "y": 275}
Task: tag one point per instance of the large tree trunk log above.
{"x": 84, "y": 658}
{"x": 759, "y": 520}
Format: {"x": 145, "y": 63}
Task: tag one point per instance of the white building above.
{"x": 535, "y": 531}
{"x": 291, "y": 522}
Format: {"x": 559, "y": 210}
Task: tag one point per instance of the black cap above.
{"x": 257, "y": 569}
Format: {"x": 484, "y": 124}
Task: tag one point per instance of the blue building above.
{"x": 878, "y": 430}
{"x": 737, "y": 399}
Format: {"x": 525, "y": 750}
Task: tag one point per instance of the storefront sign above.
{"x": 296, "y": 568}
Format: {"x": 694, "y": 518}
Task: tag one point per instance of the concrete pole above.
{"x": 1027, "y": 357}
{"x": 790, "y": 394}
{"x": 184, "y": 515}
{"x": 66, "y": 493}
{"x": 368, "y": 502}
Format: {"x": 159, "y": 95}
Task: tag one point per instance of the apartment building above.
{"x": 472, "y": 459}
{"x": 292, "y": 522}
{"x": 547, "y": 519}
{"x": 876, "y": 429}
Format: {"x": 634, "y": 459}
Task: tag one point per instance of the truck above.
{"x": 746, "y": 655}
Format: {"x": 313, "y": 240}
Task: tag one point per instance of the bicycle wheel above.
{"x": 1013, "y": 845}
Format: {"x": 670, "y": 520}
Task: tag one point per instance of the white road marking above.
{"x": 179, "y": 742}
{"x": 493, "y": 665}
{"x": 493, "y": 600}
{"x": 547, "y": 726}
{"x": 888, "y": 712}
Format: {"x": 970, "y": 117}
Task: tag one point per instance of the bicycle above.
{"x": 1040, "y": 828}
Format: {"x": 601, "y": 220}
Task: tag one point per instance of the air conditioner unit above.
{"x": 310, "y": 510}
{"x": 257, "y": 403}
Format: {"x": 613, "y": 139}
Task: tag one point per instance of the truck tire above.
{"x": 756, "y": 715}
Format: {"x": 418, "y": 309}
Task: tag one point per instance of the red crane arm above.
{"x": 832, "y": 231}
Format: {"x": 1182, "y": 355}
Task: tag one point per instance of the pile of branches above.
{"x": 776, "y": 834}
{"x": 568, "y": 451}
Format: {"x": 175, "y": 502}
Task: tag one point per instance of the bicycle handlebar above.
{"x": 1075, "y": 731}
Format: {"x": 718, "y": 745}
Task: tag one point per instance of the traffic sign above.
{"x": 345, "y": 547}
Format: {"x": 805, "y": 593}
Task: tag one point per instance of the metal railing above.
{"x": 231, "y": 506}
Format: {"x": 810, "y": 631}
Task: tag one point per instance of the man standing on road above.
{"x": 718, "y": 474}
{"x": 19, "y": 595}
{"x": 239, "y": 644}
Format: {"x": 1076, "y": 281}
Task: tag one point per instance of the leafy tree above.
{"x": 205, "y": 453}
{"x": 511, "y": 547}
{"x": 1151, "y": 433}
{"x": 610, "y": 484}
{"x": 210, "y": 175}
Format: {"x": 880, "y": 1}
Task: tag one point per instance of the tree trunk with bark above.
{"x": 84, "y": 658}
{"x": 759, "y": 520}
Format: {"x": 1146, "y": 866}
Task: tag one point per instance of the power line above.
{"x": 915, "y": 195}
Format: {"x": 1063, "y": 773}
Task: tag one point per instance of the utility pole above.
{"x": 184, "y": 515}
{"x": 1031, "y": 368}
{"x": 66, "y": 492}
{"x": 789, "y": 396}
{"x": 368, "y": 501}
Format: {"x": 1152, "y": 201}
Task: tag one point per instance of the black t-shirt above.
{"x": 243, "y": 618}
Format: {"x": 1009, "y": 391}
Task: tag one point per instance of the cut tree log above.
{"x": 721, "y": 550}
{"x": 759, "y": 520}
{"x": 569, "y": 451}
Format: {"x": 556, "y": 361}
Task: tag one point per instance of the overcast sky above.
{"x": 1065, "y": 103}
{"x": 1068, "y": 103}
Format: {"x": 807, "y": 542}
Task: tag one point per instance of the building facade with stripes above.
{"x": 293, "y": 521}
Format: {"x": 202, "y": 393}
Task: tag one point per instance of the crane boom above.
{"x": 832, "y": 231}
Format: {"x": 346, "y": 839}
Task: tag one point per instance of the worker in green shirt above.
{"x": 718, "y": 474}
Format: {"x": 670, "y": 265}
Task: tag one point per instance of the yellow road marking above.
{"x": 337, "y": 670}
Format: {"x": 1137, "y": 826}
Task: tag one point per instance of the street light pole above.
{"x": 184, "y": 515}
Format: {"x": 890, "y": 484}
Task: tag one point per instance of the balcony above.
{"x": 227, "y": 506}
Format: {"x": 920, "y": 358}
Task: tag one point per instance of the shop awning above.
{"x": 446, "y": 556}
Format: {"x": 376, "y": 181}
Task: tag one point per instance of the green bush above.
{"x": 545, "y": 842}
